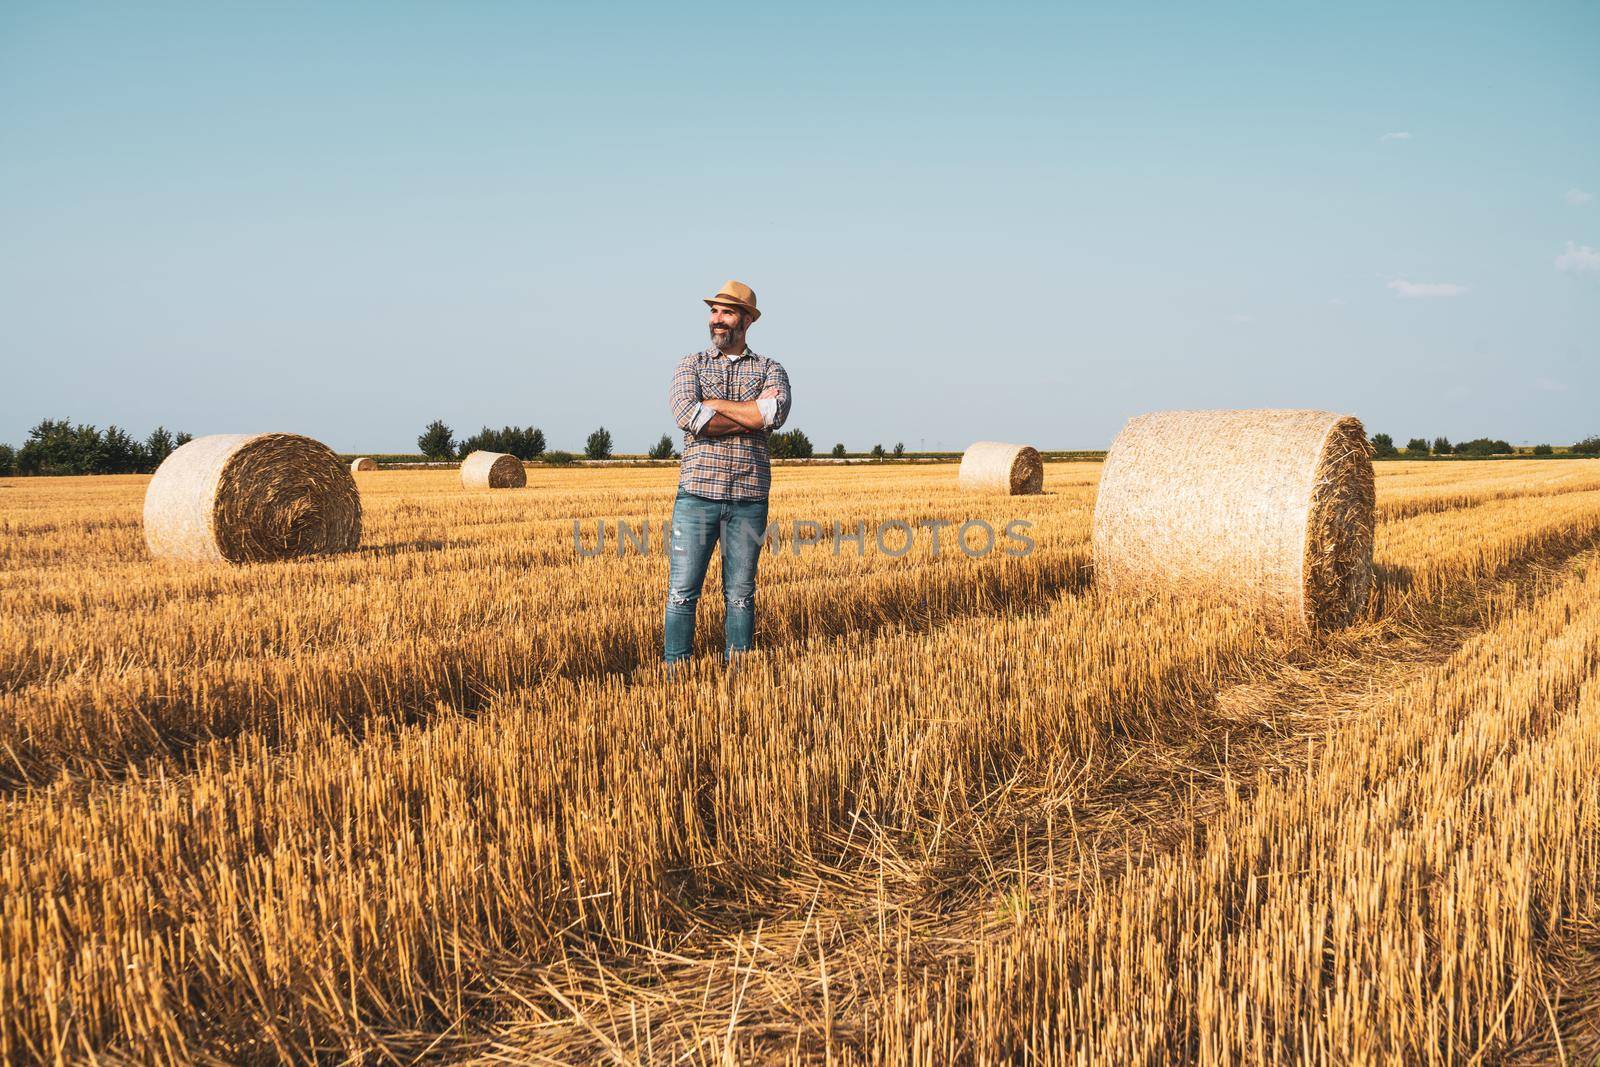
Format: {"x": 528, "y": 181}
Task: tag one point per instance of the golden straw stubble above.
{"x": 239, "y": 798}
{"x": 245, "y": 498}
{"x": 998, "y": 467}
{"x": 1268, "y": 510}
{"x": 493, "y": 470}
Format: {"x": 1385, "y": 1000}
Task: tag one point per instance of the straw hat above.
{"x": 736, "y": 294}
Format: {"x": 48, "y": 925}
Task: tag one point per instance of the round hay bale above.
{"x": 1271, "y": 511}
{"x": 363, "y": 463}
{"x": 493, "y": 470}
{"x": 247, "y": 498}
{"x": 996, "y": 467}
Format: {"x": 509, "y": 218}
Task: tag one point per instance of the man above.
{"x": 726, "y": 399}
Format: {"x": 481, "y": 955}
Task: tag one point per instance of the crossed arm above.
{"x": 719, "y": 418}
{"x": 736, "y": 416}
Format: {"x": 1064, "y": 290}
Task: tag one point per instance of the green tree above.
{"x": 877, "y": 451}
{"x": 663, "y": 448}
{"x": 56, "y": 446}
{"x": 1383, "y": 445}
{"x": 559, "y": 458}
{"x": 899, "y": 448}
{"x": 790, "y": 444}
{"x": 1417, "y": 446}
{"x": 1442, "y": 446}
{"x": 437, "y": 441}
{"x": 599, "y": 444}
{"x": 524, "y": 443}
{"x": 1484, "y": 446}
{"x": 485, "y": 440}
{"x": 513, "y": 440}
{"x": 158, "y": 446}
{"x": 120, "y": 453}
{"x": 8, "y": 460}
{"x": 838, "y": 450}
{"x": 1589, "y": 446}
{"x": 1543, "y": 450}
{"x": 182, "y": 439}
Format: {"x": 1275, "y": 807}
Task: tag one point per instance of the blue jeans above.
{"x": 697, "y": 524}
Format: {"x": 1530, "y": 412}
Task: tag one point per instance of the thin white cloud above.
{"x": 1398, "y": 135}
{"x": 1578, "y": 257}
{"x": 1241, "y": 318}
{"x": 1549, "y": 385}
{"x": 1411, "y": 290}
{"x": 1336, "y": 301}
{"x": 1577, "y": 197}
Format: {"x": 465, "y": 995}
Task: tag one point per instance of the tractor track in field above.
{"x": 152, "y": 723}
{"x": 166, "y": 721}
{"x": 800, "y": 959}
{"x": 1410, "y": 508}
{"x": 159, "y": 728}
{"x": 800, "y": 965}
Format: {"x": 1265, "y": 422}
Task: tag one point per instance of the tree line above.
{"x": 58, "y": 446}
{"x": 438, "y": 442}
{"x": 1383, "y": 447}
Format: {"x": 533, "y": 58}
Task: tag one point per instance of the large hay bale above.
{"x": 1269, "y": 510}
{"x": 246, "y": 498}
{"x": 363, "y": 463}
{"x": 996, "y": 467}
{"x": 493, "y": 470}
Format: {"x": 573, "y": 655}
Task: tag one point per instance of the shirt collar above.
{"x": 713, "y": 350}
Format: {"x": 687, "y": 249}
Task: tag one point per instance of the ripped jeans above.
{"x": 697, "y": 524}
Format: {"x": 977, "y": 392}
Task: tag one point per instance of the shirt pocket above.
{"x": 713, "y": 383}
{"x": 747, "y": 386}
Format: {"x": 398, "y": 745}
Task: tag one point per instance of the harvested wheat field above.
{"x": 434, "y": 798}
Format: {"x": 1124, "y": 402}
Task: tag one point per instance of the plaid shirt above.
{"x": 733, "y": 466}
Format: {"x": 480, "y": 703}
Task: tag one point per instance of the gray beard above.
{"x": 733, "y": 343}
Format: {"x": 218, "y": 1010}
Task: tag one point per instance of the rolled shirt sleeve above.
{"x": 684, "y": 398}
{"x": 775, "y": 409}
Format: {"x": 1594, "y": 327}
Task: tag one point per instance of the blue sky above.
{"x": 1010, "y": 221}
